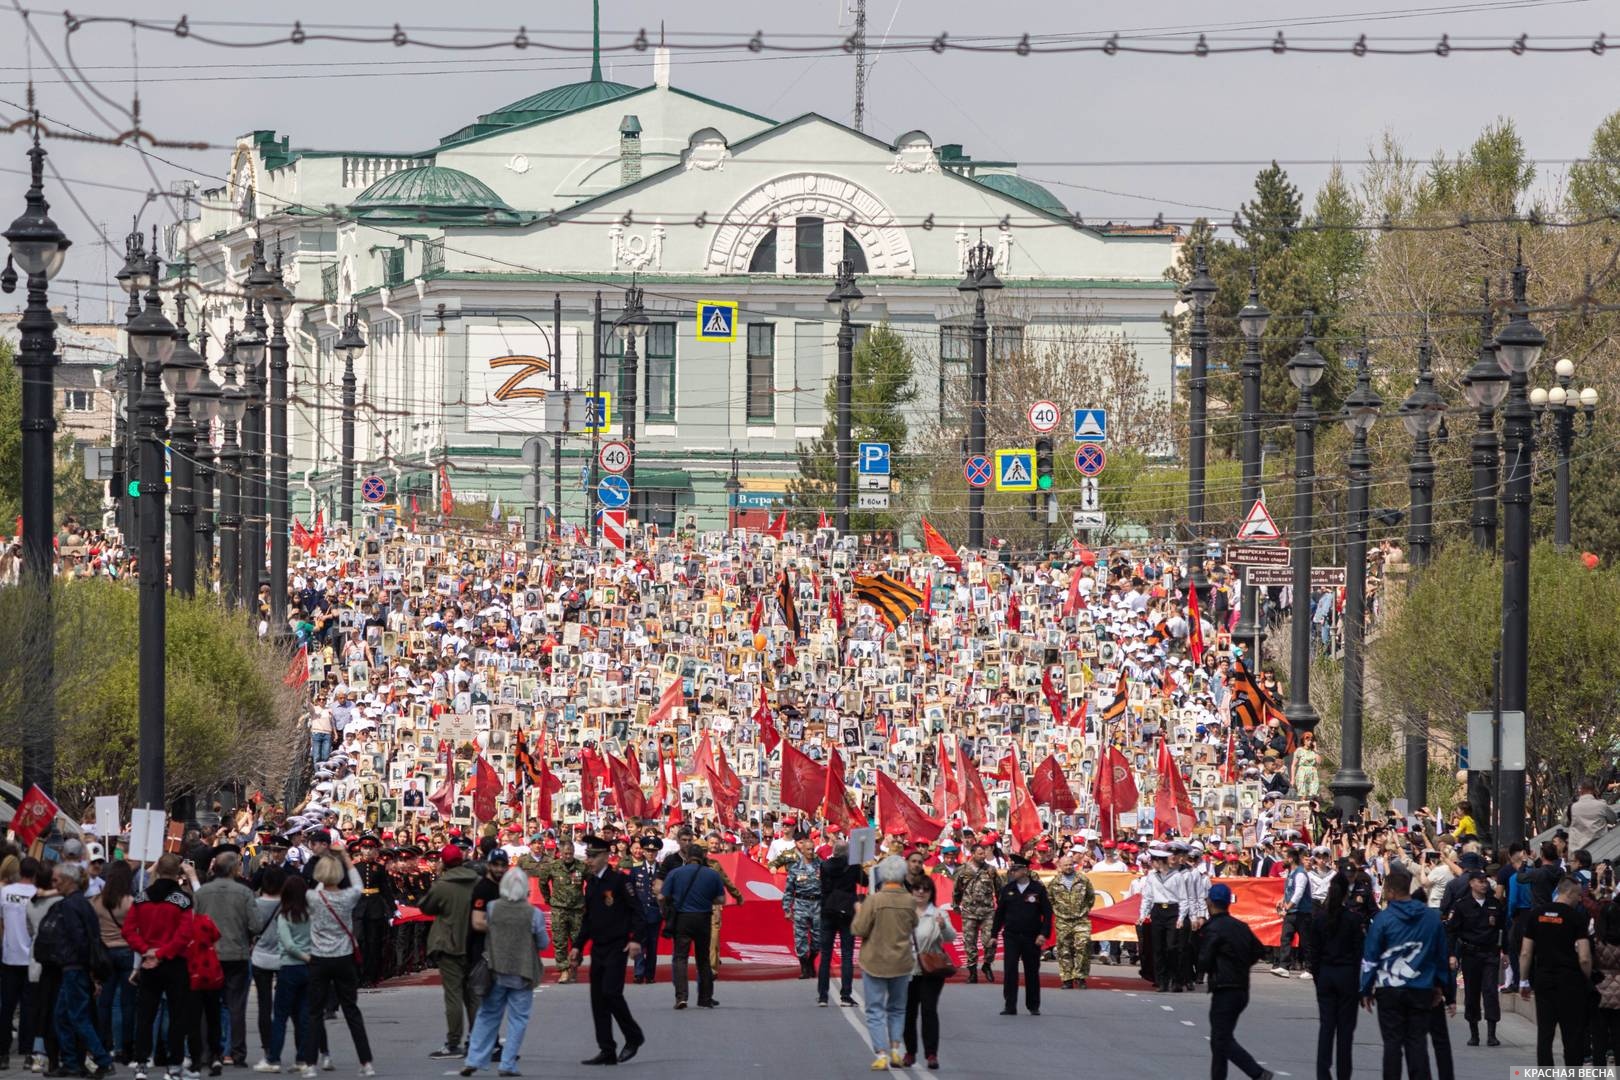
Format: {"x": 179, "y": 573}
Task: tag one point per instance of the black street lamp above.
{"x": 1485, "y": 387}
{"x": 631, "y": 326}
{"x": 1252, "y": 321}
{"x": 846, "y": 296}
{"x": 132, "y": 278}
{"x": 38, "y": 249}
{"x": 1199, "y": 292}
{"x": 205, "y": 400}
{"x": 1564, "y": 404}
{"x": 1350, "y": 784}
{"x": 1422, "y": 414}
{"x": 277, "y": 300}
{"x": 733, "y": 489}
{"x": 152, "y": 336}
{"x": 980, "y": 278}
{"x": 232, "y": 404}
{"x": 1304, "y": 371}
{"x": 182, "y": 373}
{"x": 250, "y": 350}
{"x": 1519, "y": 346}
{"x": 349, "y": 345}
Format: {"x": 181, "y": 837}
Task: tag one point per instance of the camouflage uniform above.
{"x": 532, "y": 865}
{"x": 714, "y": 919}
{"x": 974, "y": 897}
{"x": 562, "y": 883}
{"x": 1072, "y": 900}
{"x": 801, "y": 901}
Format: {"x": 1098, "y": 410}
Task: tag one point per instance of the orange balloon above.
{"x": 1590, "y": 560}
{"x": 759, "y": 642}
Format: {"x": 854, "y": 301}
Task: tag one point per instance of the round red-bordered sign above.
{"x": 1043, "y": 416}
{"x": 614, "y": 456}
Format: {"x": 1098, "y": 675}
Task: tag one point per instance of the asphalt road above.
{"x": 1113, "y": 1028}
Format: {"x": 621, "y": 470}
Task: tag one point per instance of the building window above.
{"x": 609, "y": 361}
{"x": 658, "y": 508}
{"x": 764, "y": 259}
{"x": 955, "y": 347}
{"x": 854, "y": 252}
{"x": 78, "y": 400}
{"x": 659, "y": 353}
{"x": 761, "y": 373}
{"x": 808, "y": 257}
{"x": 1006, "y": 342}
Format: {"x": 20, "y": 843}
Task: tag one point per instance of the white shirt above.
{"x": 18, "y": 944}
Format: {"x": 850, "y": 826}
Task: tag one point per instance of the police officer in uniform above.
{"x": 973, "y": 894}
{"x": 1024, "y": 913}
{"x": 562, "y": 883}
{"x": 610, "y": 921}
{"x": 1072, "y": 899}
{"x": 375, "y": 909}
{"x": 644, "y": 886}
{"x": 1227, "y": 950}
{"x": 1476, "y": 925}
{"x": 801, "y": 900}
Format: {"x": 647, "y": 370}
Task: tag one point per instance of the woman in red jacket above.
{"x": 160, "y": 930}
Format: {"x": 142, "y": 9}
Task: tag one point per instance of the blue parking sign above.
{"x": 873, "y": 459}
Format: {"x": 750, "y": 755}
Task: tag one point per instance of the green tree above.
{"x": 881, "y": 389}
{"x": 229, "y": 716}
{"x": 1594, "y": 184}
{"x": 76, "y": 497}
{"x": 1432, "y": 658}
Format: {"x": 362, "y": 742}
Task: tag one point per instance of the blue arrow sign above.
{"x": 874, "y": 459}
{"x": 614, "y": 491}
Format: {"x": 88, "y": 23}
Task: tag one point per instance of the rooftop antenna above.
{"x": 596, "y": 40}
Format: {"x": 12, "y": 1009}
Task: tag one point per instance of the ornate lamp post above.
{"x": 277, "y": 300}
{"x": 631, "y": 326}
{"x": 1252, "y": 321}
{"x": 349, "y": 345}
{"x": 1350, "y": 784}
{"x": 205, "y": 400}
{"x": 1304, "y": 371}
{"x": 1422, "y": 413}
{"x": 232, "y": 404}
{"x": 1564, "y": 404}
{"x": 979, "y": 279}
{"x": 38, "y": 249}
{"x": 846, "y": 296}
{"x": 132, "y": 278}
{"x": 250, "y": 349}
{"x": 182, "y": 373}
{"x": 1199, "y": 292}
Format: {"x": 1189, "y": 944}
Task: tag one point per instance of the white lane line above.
{"x": 857, "y": 1020}
{"x": 1168, "y": 1008}
{"x": 1187, "y": 1023}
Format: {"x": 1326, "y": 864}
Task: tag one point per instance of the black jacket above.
{"x": 1474, "y": 927}
{"x": 839, "y": 881}
{"x": 1023, "y": 914}
{"x": 612, "y": 916}
{"x": 1226, "y": 951}
{"x": 1337, "y": 943}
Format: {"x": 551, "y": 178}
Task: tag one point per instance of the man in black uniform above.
{"x": 1556, "y": 959}
{"x": 375, "y": 909}
{"x": 1227, "y": 950}
{"x": 410, "y": 881}
{"x": 612, "y": 925}
{"x": 1024, "y": 914}
{"x": 1476, "y": 927}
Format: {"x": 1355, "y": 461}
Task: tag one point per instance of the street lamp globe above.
{"x": 183, "y": 369}
{"x": 844, "y": 291}
{"x": 1538, "y": 397}
{"x": 1519, "y": 344}
{"x": 1201, "y": 288}
{"x": 1306, "y": 366}
{"x": 134, "y": 277}
{"x": 38, "y": 246}
{"x": 1555, "y": 396}
{"x": 633, "y": 324}
{"x": 205, "y": 398}
{"x": 1253, "y": 316}
{"x": 1423, "y": 411}
{"x": 1362, "y": 406}
{"x": 151, "y": 334}
{"x": 1565, "y": 368}
{"x": 250, "y": 346}
{"x": 351, "y": 343}
{"x": 1485, "y": 386}
{"x": 1589, "y": 398}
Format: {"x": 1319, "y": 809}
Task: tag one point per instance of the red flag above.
{"x": 1113, "y": 790}
{"x": 804, "y": 783}
{"x": 1015, "y": 617}
{"x": 975, "y": 803}
{"x": 1007, "y": 766}
{"x": 626, "y": 791}
{"x": 1023, "y": 819}
{"x": 447, "y": 500}
{"x": 298, "y": 670}
{"x": 821, "y": 520}
{"x": 725, "y": 799}
{"x": 937, "y": 545}
{"x": 414, "y": 508}
{"x": 703, "y": 757}
{"x": 444, "y": 796}
{"x": 1077, "y": 718}
{"x": 757, "y": 619}
{"x": 673, "y": 697}
{"x": 486, "y": 791}
{"x": 836, "y": 805}
{"x": 33, "y": 816}
{"x": 1074, "y": 601}
{"x": 928, "y": 597}
{"x": 1172, "y": 806}
{"x": 1051, "y": 788}
{"x": 319, "y": 535}
{"x": 835, "y": 607}
{"x": 778, "y": 528}
{"x": 1195, "y": 627}
{"x": 301, "y": 538}
{"x": 947, "y": 794}
{"x": 722, "y": 769}
{"x": 592, "y": 771}
{"x": 1054, "y": 697}
{"x": 766, "y": 723}
{"x": 1231, "y": 771}
{"x": 896, "y": 813}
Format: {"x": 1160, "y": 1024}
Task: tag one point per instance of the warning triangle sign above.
{"x": 1258, "y": 524}
{"x": 1090, "y": 426}
{"x": 719, "y": 322}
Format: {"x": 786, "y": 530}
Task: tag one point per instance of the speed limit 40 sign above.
{"x": 1043, "y": 416}
{"x": 614, "y": 456}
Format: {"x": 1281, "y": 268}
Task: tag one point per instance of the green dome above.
{"x": 1024, "y": 191}
{"x": 558, "y": 99}
{"x": 431, "y": 190}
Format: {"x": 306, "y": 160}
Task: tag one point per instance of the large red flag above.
{"x": 1023, "y": 819}
{"x": 298, "y": 670}
{"x": 836, "y": 805}
{"x": 703, "y": 756}
{"x": 947, "y": 793}
{"x": 1172, "y": 806}
{"x": 821, "y": 520}
{"x": 444, "y": 796}
{"x": 939, "y": 546}
{"x": 975, "y": 803}
{"x": 447, "y": 499}
{"x": 1074, "y": 601}
{"x": 593, "y": 772}
{"x": 547, "y": 781}
{"x": 778, "y": 528}
{"x": 757, "y": 619}
{"x": 722, "y": 769}
{"x": 626, "y": 791}
{"x": 1195, "y": 626}
{"x": 673, "y": 697}
{"x": 1077, "y": 717}
{"x": 1113, "y": 790}
{"x": 1015, "y": 617}
{"x": 803, "y": 781}
{"x": 318, "y": 537}
{"x": 487, "y": 788}
{"x": 766, "y": 723}
{"x": 1051, "y": 788}
{"x": 896, "y": 813}
{"x": 33, "y": 815}
{"x": 300, "y": 537}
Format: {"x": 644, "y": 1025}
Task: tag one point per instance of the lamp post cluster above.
{"x": 1563, "y": 404}
{"x": 846, "y": 296}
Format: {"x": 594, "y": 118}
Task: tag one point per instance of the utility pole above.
{"x": 857, "y": 41}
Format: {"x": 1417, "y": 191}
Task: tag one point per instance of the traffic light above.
{"x": 1043, "y": 464}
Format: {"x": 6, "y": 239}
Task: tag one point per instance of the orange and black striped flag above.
{"x": 1250, "y": 702}
{"x": 1117, "y": 708}
{"x": 894, "y": 600}
{"x": 790, "y": 611}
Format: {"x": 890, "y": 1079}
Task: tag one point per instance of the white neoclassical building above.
{"x": 461, "y": 256}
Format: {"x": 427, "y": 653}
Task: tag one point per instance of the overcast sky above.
{"x": 1053, "y": 113}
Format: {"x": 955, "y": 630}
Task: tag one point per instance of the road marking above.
{"x": 1168, "y": 1008}
{"x": 857, "y": 1020}
{"x": 1187, "y": 1023}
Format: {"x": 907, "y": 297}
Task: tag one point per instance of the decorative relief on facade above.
{"x": 637, "y": 251}
{"x": 786, "y": 198}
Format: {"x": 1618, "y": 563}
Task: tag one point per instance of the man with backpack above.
{"x": 68, "y": 938}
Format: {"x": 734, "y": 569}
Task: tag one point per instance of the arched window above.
{"x": 854, "y": 253}
{"x": 764, "y": 260}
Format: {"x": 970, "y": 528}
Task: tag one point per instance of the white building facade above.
{"x": 499, "y": 242}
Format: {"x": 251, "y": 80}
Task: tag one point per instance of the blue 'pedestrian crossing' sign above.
{"x": 717, "y": 320}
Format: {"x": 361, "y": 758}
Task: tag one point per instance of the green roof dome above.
{"x": 558, "y": 99}
{"x": 433, "y": 191}
{"x": 1023, "y": 190}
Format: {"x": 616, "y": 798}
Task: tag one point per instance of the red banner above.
{"x": 1254, "y": 900}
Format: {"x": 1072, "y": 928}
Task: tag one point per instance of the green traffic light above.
{"x": 1044, "y": 483}
{"x": 134, "y": 489}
